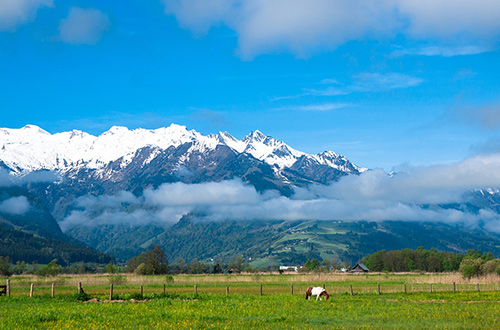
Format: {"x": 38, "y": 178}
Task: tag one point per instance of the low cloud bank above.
{"x": 7, "y": 179}
{"x": 15, "y": 205}
{"x": 415, "y": 195}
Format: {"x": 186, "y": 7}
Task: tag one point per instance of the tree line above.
{"x": 473, "y": 263}
{"x": 408, "y": 260}
{"x": 154, "y": 261}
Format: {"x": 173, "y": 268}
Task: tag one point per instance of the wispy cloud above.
{"x": 362, "y": 83}
{"x": 444, "y": 51}
{"x": 16, "y": 12}
{"x": 376, "y": 82}
{"x": 486, "y": 116}
{"x": 83, "y": 26}
{"x": 315, "y": 107}
{"x": 490, "y": 146}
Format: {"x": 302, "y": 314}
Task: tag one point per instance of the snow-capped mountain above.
{"x": 133, "y": 160}
{"x": 32, "y": 148}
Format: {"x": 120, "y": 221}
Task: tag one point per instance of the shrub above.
{"x": 471, "y": 268}
{"x": 52, "y": 269}
{"x": 5, "y": 267}
{"x": 490, "y": 267}
{"x": 141, "y": 269}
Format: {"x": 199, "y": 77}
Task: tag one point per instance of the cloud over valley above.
{"x": 436, "y": 194}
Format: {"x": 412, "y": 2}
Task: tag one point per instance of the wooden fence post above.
{"x": 454, "y": 288}
{"x": 324, "y": 286}
{"x": 350, "y": 287}
{"x": 111, "y": 291}
{"x": 261, "y": 289}
{"x": 195, "y": 289}
{"x": 163, "y": 288}
{"x": 227, "y": 290}
{"x": 79, "y": 287}
{"x": 53, "y": 291}
{"x": 142, "y": 290}
{"x": 31, "y": 290}
{"x": 291, "y": 288}
{"x": 378, "y": 288}
{"x": 478, "y": 287}
{"x": 8, "y": 288}
{"x": 405, "y": 288}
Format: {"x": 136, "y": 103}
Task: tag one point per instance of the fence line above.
{"x": 349, "y": 289}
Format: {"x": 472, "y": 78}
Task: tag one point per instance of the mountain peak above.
{"x": 116, "y": 129}
{"x": 254, "y": 136}
{"x": 34, "y": 129}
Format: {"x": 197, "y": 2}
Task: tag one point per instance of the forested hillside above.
{"x": 19, "y": 246}
{"x": 283, "y": 242}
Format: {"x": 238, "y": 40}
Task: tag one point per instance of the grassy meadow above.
{"x": 211, "y": 308}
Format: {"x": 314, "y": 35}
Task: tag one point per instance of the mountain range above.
{"x": 120, "y": 159}
{"x": 117, "y": 192}
{"x": 32, "y": 149}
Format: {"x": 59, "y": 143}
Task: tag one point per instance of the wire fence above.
{"x": 353, "y": 288}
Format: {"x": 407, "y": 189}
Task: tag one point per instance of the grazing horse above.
{"x": 316, "y": 291}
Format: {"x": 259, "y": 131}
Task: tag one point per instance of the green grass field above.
{"x": 244, "y": 308}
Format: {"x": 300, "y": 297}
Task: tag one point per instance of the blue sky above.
{"x": 400, "y": 83}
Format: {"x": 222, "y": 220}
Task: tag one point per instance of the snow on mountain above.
{"x": 31, "y": 148}
{"x": 331, "y": 159}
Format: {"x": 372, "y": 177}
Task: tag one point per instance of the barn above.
{"x": 360, "y": 268}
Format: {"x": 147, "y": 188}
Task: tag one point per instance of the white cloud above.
{"x": 201, "y": 15}
{"x": 17, "y": 12}
{"x": 304, "y": 27}
{"x": 283, "y": 25}
{"x": 451, "y": 18}
{"x": 83, "y": 26}
{"x": 7, "y": 179}
{"x": 15, "y": 205}
{"x": 372, "y": 196}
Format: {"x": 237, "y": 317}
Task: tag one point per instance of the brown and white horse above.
{"x": 316, "y": 291}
